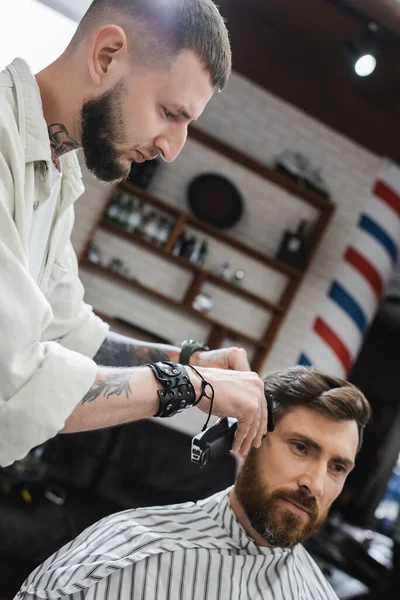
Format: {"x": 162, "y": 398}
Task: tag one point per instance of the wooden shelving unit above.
{"x": 185, "y": 306}
{"x": 200, "y": 275}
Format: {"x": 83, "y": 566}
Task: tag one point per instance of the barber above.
{"x": 133, "y": 77}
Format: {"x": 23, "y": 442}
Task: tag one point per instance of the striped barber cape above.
{"x": 190, "y": 551}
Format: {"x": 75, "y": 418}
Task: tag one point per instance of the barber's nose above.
{"x": 171, "y": 146}
{"x": 313, "y": 479}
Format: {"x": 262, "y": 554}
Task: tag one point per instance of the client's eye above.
{"x": 299, "y": 447}
{"x": 339, "y": 469}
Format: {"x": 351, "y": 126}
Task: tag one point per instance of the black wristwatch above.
{"x": 189, "y": 347}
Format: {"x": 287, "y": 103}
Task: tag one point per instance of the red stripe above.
{"x": 329, "y": 336}
{"x": 366, "y": 269}
{"x": 388, "y": 195}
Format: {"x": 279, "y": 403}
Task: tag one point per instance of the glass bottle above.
{"x": 196, "y": 252}
{"x": 164, "y": 228}
{"x": 113, "y": 208}
{"x": 124, "y": 209}
{"x": 135, "y": 216}
{"x": 150, "y": 228}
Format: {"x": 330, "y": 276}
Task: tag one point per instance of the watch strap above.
{"x": 189, "y": 347}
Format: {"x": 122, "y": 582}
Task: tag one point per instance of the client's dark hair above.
{"x": 306, "y": 386}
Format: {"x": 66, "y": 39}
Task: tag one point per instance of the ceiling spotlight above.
{"x": 365, "y": 65}
{"x": 362, "y": 52}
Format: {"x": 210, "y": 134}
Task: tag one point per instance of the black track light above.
{"x": 363, "y": 53}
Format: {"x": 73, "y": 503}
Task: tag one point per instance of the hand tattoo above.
{"x": 60, "y": 140}
{"x": 115, "y": 383}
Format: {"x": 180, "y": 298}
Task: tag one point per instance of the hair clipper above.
{"x": 216, "y": 441}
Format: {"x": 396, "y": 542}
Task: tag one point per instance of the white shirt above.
{"x": 48, "y": 334}
{"x": 182, "y": 552}
{"x": 42, "y": 222}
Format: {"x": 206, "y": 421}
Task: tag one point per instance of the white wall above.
{"x": 33, "y": 31}
{"x": 261, "y": 125}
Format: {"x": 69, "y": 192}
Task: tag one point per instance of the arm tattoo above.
{"x": 115, "y": 383}
{"x": 60, "y": 140}
{"x": 120, "y": 351}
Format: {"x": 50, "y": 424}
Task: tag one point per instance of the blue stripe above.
{"x": 304, "y": 360}
{"x": 347, "y": 303}
{"x": 372, "y": 227}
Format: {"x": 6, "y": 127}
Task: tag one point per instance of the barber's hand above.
{"x": 238, "y": 394}
{"x": 223, "y": 358}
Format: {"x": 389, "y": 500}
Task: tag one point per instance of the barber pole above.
{"x": 360, "y": 280}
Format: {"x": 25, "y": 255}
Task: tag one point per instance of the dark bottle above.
{"x": 293, "y": 248}
{"x": 203, "y": 252}
{"x": 179, "y": 244}
{"x": 188, "y": 247}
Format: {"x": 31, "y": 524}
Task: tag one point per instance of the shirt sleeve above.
{"x": 41, "y": 382}
{"x": 74, "y": 325}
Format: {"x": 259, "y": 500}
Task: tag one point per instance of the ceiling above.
{"x": 385, "y": 12}
{"x": 295, "y": 50}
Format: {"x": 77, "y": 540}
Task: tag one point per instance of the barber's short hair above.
{"x": 333, "y": 397}
{"x": 158, "y": 30}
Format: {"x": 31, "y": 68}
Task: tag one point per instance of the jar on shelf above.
{"x": 238, "y": 277}
{"x": 203, "y": 302}
{"x": 224, "y": 270}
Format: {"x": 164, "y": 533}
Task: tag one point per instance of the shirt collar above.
{"x": 220, "y": 509}
{"x": 33, "y": 127}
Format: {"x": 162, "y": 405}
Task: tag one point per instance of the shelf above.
{"x": 188, "y": 309}
{"x": 291, "y": 186}
{"x": 273, "y": 263}
{"x": 147, "y": 197}
{"x": 136, "y": 238}
{"x": 219, "y": 332}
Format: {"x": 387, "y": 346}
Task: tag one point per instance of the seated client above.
{"x": 243, "y": 542}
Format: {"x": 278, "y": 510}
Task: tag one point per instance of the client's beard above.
{"x": 267, "y": 514}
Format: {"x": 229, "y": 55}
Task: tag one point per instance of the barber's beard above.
{"x": 102, "y": 127}
{"x": 267, "y": 513}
